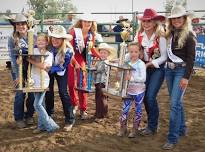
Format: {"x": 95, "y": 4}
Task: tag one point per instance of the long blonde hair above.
{"x": 63, "y": 49}
{"x": 186, "y": 28}
{"x": 93, "y": 28}
{"x": 159, "y": 31}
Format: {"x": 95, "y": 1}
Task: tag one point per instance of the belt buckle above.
{"x": 171, "y": 65}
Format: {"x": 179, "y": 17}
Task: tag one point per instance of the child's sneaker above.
{"x": 133, "y": 133}
{"x": 122, "y": 132}
{"x": 168, "y": 146}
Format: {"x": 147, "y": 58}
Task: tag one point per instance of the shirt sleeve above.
{"x": 163, "y": 53}
{"x": 12, "y": 54}
{"x": 140, "y": 74}
{"x": 190, "y": 56}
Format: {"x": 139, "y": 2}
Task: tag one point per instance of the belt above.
{"x": 173, "y": 65}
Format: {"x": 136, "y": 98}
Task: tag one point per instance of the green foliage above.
{"x": 50, "y": 7}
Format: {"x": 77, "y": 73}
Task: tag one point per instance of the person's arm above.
{"x": 163, "y": 54}
{"x": 190, "y": 56}
{"x": 13, "y": 57}
{"x": 40, "y": 65}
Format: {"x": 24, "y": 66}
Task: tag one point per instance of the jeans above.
{"x": 177, "y": 125}
{"x": 44, "y": 121}
{"x": 155, "y": 78}
{"x": 19, "y": 113}
{"x": 65, "y": 98}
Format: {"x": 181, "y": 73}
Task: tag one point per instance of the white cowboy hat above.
{"x": 112, "y": 51}
{"x": 178, "y": 11}
{"x": 87, "y": 17}
{"x": 18, "y": 18}
{"x": 59, "y": 31}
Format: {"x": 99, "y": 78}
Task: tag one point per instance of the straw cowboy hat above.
{"x": 59, "y": 31}
{"x": 111, "y": 50}
{"x": 150, "y": 14}
{"x": 178, "y": 11}
{"x": 121, "y": 19}
{"x": 18, "y": 18}
{"x": 87, "y": 17}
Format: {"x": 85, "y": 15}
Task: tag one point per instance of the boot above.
{"x": 122, "y": 132}
{"x": 123, "y": 128}
{"x": 133, "y": 133}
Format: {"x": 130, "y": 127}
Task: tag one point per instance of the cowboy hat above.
{"x": 18, "y": 18}
{"x": 121, "y": 19}
{"x": 178, "y": 11}
{"x": 59, "y": 31}
{"x": 150, "y": 14}
{"x": 87, "y": 17}
{"x": 111, "y": 50}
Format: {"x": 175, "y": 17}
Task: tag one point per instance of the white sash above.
{"x": 79, "y": 39}
{"x": 171, "y": 56}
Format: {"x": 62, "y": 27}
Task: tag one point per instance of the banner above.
{"x": 200, "y": 51}
{"x": 5, "y": 32}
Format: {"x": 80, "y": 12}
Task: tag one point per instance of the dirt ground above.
{"x": 89, "y": 136}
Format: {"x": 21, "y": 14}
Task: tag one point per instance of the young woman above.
{"x": 19, "y": 41}
{"x": 153, "y": 44}
{"x": 83, "y": 33}
{"x": 62, "y": 56}
{"x": 181, "y": 55}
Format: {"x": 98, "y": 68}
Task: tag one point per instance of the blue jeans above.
{"x": 19, "y": 113}
{"x": 65, "y": 98}
{"x": 155, "y": 78}
{"x": 177, "y": 125}
{"x": 44, "y": 121}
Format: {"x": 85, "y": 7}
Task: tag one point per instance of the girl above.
{"x": 83, "y": 32}
{"x": 62, "y": 56}
{"x": 181, "y": 54}
{"x": 153, "y": 43}
{"x": 44, "y": 121}
{"x": 136, "y": 90}
{"x": 19, "y": 41}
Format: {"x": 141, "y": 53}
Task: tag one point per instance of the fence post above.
{"x": 42, "y": 19}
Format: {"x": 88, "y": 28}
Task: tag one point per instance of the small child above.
{"x": 135, "y": 90}
{"x": 45, "y": 123}
{"x": 100, "y": 78}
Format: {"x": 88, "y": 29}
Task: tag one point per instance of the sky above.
{"x": 107, "y": 6}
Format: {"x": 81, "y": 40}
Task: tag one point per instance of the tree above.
{"x": 169, "y": 4}
{"x": 50, "y": 7}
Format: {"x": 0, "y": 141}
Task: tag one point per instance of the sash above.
{"x": 79, "y": 40}
{"x": 171, "y": 56}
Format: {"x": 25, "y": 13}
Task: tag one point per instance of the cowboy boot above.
{"x": 123, "y": 128}
{"x": 136, "y": 123}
